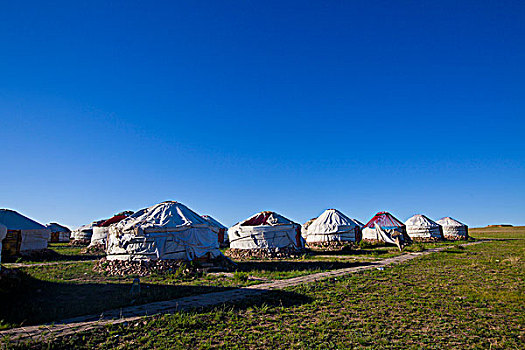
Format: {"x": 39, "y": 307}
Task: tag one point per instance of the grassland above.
{"x": 48, "y": 293}
{"x": 470, "y": 298}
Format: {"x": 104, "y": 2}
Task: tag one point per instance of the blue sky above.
{"x": 234, "y": 107}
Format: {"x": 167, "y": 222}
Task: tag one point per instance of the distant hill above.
{"x": 502, "y": 225}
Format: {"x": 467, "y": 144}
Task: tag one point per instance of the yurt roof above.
{"x": 359, "y": 223}
{"x": 212, "y": 221}
{"x": 86, "y": 227}
{"x": 330, "y": 220}
{"x": 113, "y": 220}
{"x": 16, "y": 221}
{"x": 54, "y": 227}
{"x": 421, "y": 221}
{"x": 266, "y": 218}
{"x": 308, "y": 223}
{"x": 167, "y": 214}
{"x": 384, "y": 219}
{"x": 448, "y": 221}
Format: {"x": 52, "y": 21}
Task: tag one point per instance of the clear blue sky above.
{"x": 233, "y": 107}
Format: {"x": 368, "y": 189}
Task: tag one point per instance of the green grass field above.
{"x": 71, "y": 287}
{"x": 470, "y": 298}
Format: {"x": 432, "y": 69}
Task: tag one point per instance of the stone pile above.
{"x": 426, "y": 239}
{"x": 144, "y": 268}
{"x": 331, "y": 246}
{"x": 148, "y": 267}
{"x": 95, "y": 249}
{"x": 456, "y": 238}
{"x": 79, "y": 242}
{"x": 271, "y": 253}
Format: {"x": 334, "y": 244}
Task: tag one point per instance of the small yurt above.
{"x": 168, "y": 230}
{"x": 420, "y": 228}
{"x": 453, "y": 229}
{"x": 101, "y": 231}
{"x": 330, "y": 227}
{"x": 59, "y": 233}
{"x": 23, "y": 234}
{"x": 3, "y": 233}
{"x": 265, "y": 230}
{"x": 384, "y": 227}
{"x": 219, "y": 229}
{"x": 83, "y": 234}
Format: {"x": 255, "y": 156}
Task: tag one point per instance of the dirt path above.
{"x": 133, "y": 313}
{"x": 65, "y": 262}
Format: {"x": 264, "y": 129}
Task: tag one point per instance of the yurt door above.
{"x": 11, "y": 243}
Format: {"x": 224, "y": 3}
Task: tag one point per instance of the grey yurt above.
{"x": 23, "y": 235}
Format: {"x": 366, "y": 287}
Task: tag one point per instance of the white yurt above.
{"x": 421, "y": 228}
{"x": 265, "y": 230}
{"x": 59, "y": 233}
{"x": 384, "y": 227}
{"x": 218, "y": 228}
{"x": 168, "y": 230}
{"x": 101, "y": 231}
{"x": 83, "y": 233}
{"x": 23, "y": 234}
{"x": 3, "y": 233}
{"x": 453, "y": 229}
{"x": 332, "y": 226}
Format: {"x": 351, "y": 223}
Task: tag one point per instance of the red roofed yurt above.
{"x": 266, "y": 234}
{"x": 384, "y": 227}
{"x": 100, "y": 232}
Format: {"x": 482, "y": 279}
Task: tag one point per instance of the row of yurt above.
{"x": 22, "y": 235}
{"x": 421, "y": 228}
{"x": 170, "y": 230}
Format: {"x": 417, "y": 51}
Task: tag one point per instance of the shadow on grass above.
{"x": 29, "y": 301}
{"x": 357, "y": 252}
{"x": 49, "y": 255}
{"x": 286, "y": 266}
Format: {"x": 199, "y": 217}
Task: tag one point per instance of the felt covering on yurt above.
{"x": 265, "y": 230}
{"x": 453, "y": 229}
{"x": 34, "y": 236}
{"x": 420, "y": 227}
{"x": 332, "y": 225}
{"x": 218, "y": 228}
{"x": 168, "y": 230}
